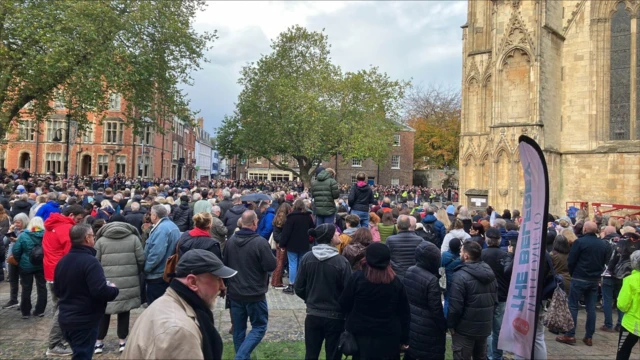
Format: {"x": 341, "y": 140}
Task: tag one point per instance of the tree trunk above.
{"x": 305, "y": 176}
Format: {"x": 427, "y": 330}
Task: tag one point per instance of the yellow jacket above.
{"x": 629, "y": 302}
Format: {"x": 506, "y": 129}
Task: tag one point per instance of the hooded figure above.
{"x": 427, "y": 332}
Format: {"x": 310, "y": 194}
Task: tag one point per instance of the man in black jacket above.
{"x": 321, "y": 278}
{"x": 250, "y": 254}
{"x": 360, "y": 197}
{"x": 83, "y": 292}
{"x": 403, "y": 247}
{"x": 587, "y": 259}
{"x": 472, "y": 298}
{"x": 496, "y": 258}
{"x": 231, "y": 216}
{"x": 135, "y": 217}
{"x": 183, "y": 215}
{"x": 21, "y": 205}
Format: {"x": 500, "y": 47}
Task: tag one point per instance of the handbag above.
{"x": 12, "y": 260}
{"x": 272, "y": 242}
{"x": 170, "y": 265}
{"x": 558, "y": 316}
{"x": 347, "y": 344}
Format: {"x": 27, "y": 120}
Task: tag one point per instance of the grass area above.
{"x": 288, "y": 350}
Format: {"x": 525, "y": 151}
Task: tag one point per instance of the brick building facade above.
{"x": 398, "y": 169}
{"x": 109, "y": 146}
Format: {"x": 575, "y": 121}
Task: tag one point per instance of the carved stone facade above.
{"x": 567, "y": 74}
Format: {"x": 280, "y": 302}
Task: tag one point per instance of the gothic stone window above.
{"x": 620, "y": 84}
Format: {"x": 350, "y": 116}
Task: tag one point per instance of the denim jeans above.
{"x": 329, "y": 219}
{"x": 258, "y": 314}
{"x": 82, "y": 342}
{"x": 364, "y": 218}
{"x": 155, "y": 289}
{"x": 492, "y": 342}
{"x": 445, "y": 306}
{"x": 590, "y": 291}
{"x": 294, "y": 261}
{"x": 610, "y": 292}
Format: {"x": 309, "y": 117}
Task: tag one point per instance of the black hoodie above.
{"x": 472, "y": 298}
{"x": 230, "y": 218}
{"x": 250, "y": 255}
{"x": 360, "y": 197}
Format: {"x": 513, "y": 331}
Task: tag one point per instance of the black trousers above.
{"x": 318, "y": 329}
{"x": 82, "y": 342}
{"x": 14, "y": 281}
{"x": 626, "y": 342}
{"x": 26, "y": 280}
{"x": 123, "y": 325}
{"x": 377, "y": 347}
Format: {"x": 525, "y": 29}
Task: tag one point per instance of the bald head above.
{"x": 590, "y": 227}
{"x": 609, "y": 230}
{"x": 249, "y": 220}
{"x": 404, "y": 222}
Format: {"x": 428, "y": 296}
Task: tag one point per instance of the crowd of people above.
{"x": 379, "y": 277}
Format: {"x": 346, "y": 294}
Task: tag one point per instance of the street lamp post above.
{"x": 58, "y": 138}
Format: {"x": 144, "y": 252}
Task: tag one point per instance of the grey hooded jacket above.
{"x": 119, "y": 250}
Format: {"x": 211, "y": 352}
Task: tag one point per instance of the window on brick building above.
{"x": 356, "y": 162}
{"x": 103, "y": 164}
{"x": 147, "y": 135}
{"x": 259, "y": 160}
{"x": 395, "y": 182}
{"x": 396, "y": 139}
{"x": 115, "y": 102}
{"x": 180, "y": 151}
{"x": 174, "y": 151}
{"x": 113, "y": 132}
{"x": 144, "y": 166}
{"x": 121, "y": 165}
{"x": 53, "y": 162}
{"x": 395, "y": 161}
{"x": 354, "y": 179}
{"x": 52, "y": 127}
{"x": 27, "y": 130}
{"x": 87, "y": 134}
{"x": 58, "y": 100}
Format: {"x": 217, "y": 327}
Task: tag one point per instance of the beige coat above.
{"x": 167, "y": 329}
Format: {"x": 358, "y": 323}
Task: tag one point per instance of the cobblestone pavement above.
{"x": 22, "y": 339}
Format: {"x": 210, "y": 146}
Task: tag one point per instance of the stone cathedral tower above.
{"x": 567, "y": 74}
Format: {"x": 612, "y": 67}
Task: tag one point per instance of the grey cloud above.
{"x": 418, "y": 40}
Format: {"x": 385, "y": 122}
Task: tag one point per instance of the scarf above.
{"x": 199, "y": 233}
{"x": 211, "y": 340}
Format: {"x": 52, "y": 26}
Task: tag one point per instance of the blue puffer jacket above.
{"x": 160, "y": 245}
{"x": 47, "y": 209}
{"x": 437, "y": 224}
{"x": 449, "y": 262}
{"x": 265, "y": 227}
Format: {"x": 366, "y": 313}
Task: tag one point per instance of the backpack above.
{"x": 36, "y": 256}
{"x": 431, "y": 235}
{"x": 170, "y": 265}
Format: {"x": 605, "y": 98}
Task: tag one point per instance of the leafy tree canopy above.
{"x": 79, "y": 52}
{"x": 296, "y": 102}
{"x": 434, "y": 112}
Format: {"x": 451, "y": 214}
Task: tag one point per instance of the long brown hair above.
{"x": 377, "y": 276}
{"x": 387, "y": 219}
{"x": 281, "y": 215}
{"x": 3, "y": 214}
{"x": 362, "y": 236}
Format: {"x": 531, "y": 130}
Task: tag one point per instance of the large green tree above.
{"x": 296, "y": 103}
{"x": 80, "y": 52}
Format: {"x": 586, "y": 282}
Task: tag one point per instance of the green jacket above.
{"x": 386, "y": 231}
{"x": 629, "y": 302}
{"x": 22, "y": 249}
{"x": 324, "y": 191}
{"x": 119, "y": 250}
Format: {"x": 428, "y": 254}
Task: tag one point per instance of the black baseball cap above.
{"x": 198, "y": 261}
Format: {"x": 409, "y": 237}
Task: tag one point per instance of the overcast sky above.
{"x": 417, "y": 40}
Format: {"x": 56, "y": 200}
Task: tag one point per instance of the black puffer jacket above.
{"x": 472, "y": 298}
{"x": 188, "y": 242}
{"x": 427, "y": 333}
{"x": 360, "y": 197}
{"x": 496, "y": 258}
{"x": 295, "y": 236}
{"x": 403, "y": 251}
{"x": 182, "y": 217}
{"x": 20, "y": 206}
{"x": 324, "y": 191}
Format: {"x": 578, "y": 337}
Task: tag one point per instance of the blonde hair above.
{"x": 36, "y": 224}
{"x": 569, "y": 235}
{"x": 628, "y": 229}
{"x": 170, "y": 201}
{"x": 444, "y": 218}
{"x": 202, "y": 220}
{"x": 106, "y": 204}
{"x": 614, "y": 222}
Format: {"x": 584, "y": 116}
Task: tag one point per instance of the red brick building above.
{"x": 109, "y": 146}
{"x": 398, "y": 169}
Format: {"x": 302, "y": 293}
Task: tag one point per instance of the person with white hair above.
{"x": 218, "y": 230}
{"x": 30, "y": 265}
{"x": 629, "y": 303}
